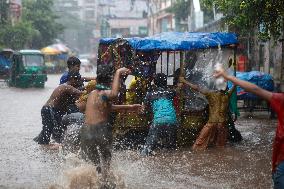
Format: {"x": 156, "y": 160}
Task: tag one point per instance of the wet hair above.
{"x": 160, "y": 80}
{"x": 73, "y": 75}
{"x": 104, "y": 74}
{"x": 73, "y": 61}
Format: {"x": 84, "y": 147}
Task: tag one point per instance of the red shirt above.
{"x": 277, "y": 104}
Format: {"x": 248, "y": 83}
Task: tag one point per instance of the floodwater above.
{"x": 25, "y": 164}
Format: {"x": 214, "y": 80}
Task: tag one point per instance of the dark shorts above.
{"x": 73, "y": 118}
{"x": 96, "y": 142}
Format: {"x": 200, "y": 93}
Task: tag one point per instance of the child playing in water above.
{"x": 96, "y": 133}
{"x": 74, "y": 64}
{"x": 215, "y": 131}
{"x": 78, "y": 117}
{"x": 56, "y": 107}
{"x": 277, "y": 103}
{"x": 74, "y": 121}
{"x": 164, "y": 124}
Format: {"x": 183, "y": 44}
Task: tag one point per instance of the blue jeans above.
{"x": 156, "y": 133}
{"x": 278, "y": 176}
{"x": 51, "y": 125}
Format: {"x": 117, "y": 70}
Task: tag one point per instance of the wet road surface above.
{"x": 25, "y": 164}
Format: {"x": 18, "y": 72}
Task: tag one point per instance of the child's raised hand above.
{"x": 219, "y": 72}
{"x": 124, "y": 71}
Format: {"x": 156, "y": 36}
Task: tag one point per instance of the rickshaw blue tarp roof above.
{"x": 260, "y": 79}
{"x": 179, "y": 41}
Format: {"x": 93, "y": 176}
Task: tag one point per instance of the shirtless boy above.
{"x": 96, "y": 133}
{"x": 56, "y": 107}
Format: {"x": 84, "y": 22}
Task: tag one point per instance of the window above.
{"x": 33, "y": 60}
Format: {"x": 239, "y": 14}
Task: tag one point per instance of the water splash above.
{"x": 200, "y": 72}
{"x": 78, "y": 174}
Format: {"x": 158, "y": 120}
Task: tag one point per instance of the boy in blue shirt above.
{"x": 164, "y": 123}
{"x": 73, "y": 64}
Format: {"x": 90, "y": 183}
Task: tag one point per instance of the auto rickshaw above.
{"x": 55, "y": 60}
{"x": 5, "y": 63}
{"x": 28, "y": 69}
{"x": 190, "y": 55}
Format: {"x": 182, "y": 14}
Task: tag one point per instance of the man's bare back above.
{"x": 98, "y": 107}
{"x": 62, "y": 96}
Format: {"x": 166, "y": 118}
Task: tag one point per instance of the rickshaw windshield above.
{"x": 33, "y": 60}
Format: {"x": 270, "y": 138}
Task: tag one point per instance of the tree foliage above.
{"x": 245, "y": 15}
{"x": 36, "y": 29}
{"x": 3, "y": 12}
{"x": 19, "y": 35}
{"x": 181, "y": 10}
{"x": 43, "y": 19}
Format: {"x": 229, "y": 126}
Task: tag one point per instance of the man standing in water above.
{"x": 56, "y": 107}
{"x": 276, "y": 101}
{"x": 96, "y": 133}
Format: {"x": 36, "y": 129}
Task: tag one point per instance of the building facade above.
{"x": 159, "y": 19}
{"x": 128, "y": 27}
{"x": 123, "y": 18}
{"x": 80, "y": 20}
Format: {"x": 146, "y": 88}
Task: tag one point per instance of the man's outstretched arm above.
{"x": 247, "y": 86}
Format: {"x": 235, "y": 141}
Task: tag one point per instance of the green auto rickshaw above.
{"x": 28, "y": 69}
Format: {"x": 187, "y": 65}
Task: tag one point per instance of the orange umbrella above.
{"x": 50, "y": 51}
{"x": 61, "y": 47}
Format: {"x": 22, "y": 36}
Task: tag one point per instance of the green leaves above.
{"x": 247, "y": 15}
{"x": 43, "y": 19}
{"x": 180, "y": 9}
{"x": 17, "y": 36}
{"x": 36, "y": 29}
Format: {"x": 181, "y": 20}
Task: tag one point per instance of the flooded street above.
{"x": 25, "y": 164}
